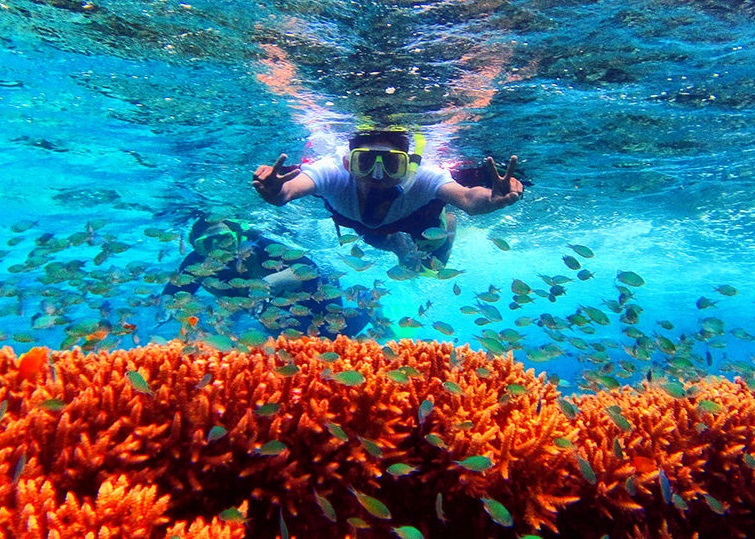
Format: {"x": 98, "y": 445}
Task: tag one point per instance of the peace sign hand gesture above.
{"x": 506, "y": 189}
{"x": 268, "y": 181}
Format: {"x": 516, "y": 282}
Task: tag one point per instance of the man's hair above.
{"x": 397, "y": 139}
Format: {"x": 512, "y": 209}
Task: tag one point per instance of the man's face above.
{"x": 383, "y": 167}
{"x": 216, "y": 238}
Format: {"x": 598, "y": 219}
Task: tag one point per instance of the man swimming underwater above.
{"x": 283, "y": 288}
{"x": 381, "y": 192}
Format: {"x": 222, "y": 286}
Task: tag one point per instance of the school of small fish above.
{"x": 91, "y": 289}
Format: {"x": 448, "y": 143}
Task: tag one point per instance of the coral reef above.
{"x": 319, "y": 438}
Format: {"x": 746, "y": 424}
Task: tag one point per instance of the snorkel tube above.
{"x": 414, "y": 161}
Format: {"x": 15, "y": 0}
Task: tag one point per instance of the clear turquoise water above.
{"x": 633, "y": 119}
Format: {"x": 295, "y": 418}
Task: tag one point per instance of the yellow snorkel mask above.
{"x": 376, "y": 163}
{"x": 394, "y": 164}
{"x": 216, "y": 237}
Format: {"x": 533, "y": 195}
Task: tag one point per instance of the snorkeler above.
{"x": 283, "y": 288}
{"x": 382, "y": 193}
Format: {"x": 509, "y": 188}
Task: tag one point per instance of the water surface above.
{"x": 634, "y": 120}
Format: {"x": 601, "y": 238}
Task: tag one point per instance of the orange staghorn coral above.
{"x": 165, "y": 441}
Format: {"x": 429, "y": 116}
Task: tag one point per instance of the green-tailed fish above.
{"x": 232, "y": 514}
{"x": 408, "y": 532}
{"x": 665, "y": 486}
{"x": 498, "y": 512}
{"x": 283, "y": 527}
{"x": 357, "y": 523}
{"x": 287, "y": 370}
{"x": 436, "y": 441}
{"x": 586, "y": 470}
{"x": 516, "y": 389}
{"x": 715, "y": 505}
{"x": 492, "y": 345}
{"x": 443, "y": 327}
{"x": 520, "y": 288}
{"x": 434, "y": 234}
{"x": 674, "y": 388}
{"x": 268, "y": 409}
{"x": 329, "y": 357}
{"x": 400, "y": 273}
{"x": 337, "y": 431}
{"x": 571, "y": 262}
{"x": 500, "y": 243}
{"x": 453, "y": 388}
{"x": 326, "y": 507}
{"x": 563, "y": 443}
{"x": 619, "y": 419}
{"x": 398, "y": 469}
{"x": 349, "y": 378}
{"x": 425, "y": 409}
{"x": 271, "y": 448}
{"x": 709, "y": 406}
{"x": 705, "y": 303}
{"x": 373, "y": 506}
{"x": 679, "y": 502}
{"x": 617, "y": 449}
{"x": 398, "y": 376}
{"x": 439, "y": 508}
{"x": 409, "y": 322}
{"x": 596, "y": 315}
{"x": 138, "y": 382}
{"x": 448, "y": 273}
{"x": 53, "y": 405}
{"x": 371, "y": 447}
{"x": 221, "y": 343}
{"x": 630, "y": 278}
{"x": 18, "y": 470}
{"x": 567, "y": 408}
{"x": 389, "y": 353}
{"x": 216, "y": 433}
{"x": 581, "y": 250}
{"x": 476, "y": 463}
{"x": 206, "y": 379}
{"x": 356, "y": 263}
{"x": 347, "y": 238}
{"x": 726, "y": 290}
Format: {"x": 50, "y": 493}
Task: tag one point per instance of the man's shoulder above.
{"x": 325, "y": 169}
{"x": 323, "y": 163}
{"x": 434, "y": 175}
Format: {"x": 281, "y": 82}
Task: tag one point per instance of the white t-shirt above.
{"x": 334, "y": 183}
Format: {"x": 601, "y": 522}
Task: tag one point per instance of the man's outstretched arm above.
{"x": 277, "y": 188}
{"x": 506, "y": 191}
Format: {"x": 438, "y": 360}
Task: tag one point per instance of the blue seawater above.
{"x": 635, "y": 122}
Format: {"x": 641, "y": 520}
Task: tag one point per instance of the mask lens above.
{"x": 394, "y": 162}
{"x": 365, "y": 161}
{"x": 208, "y": 243}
